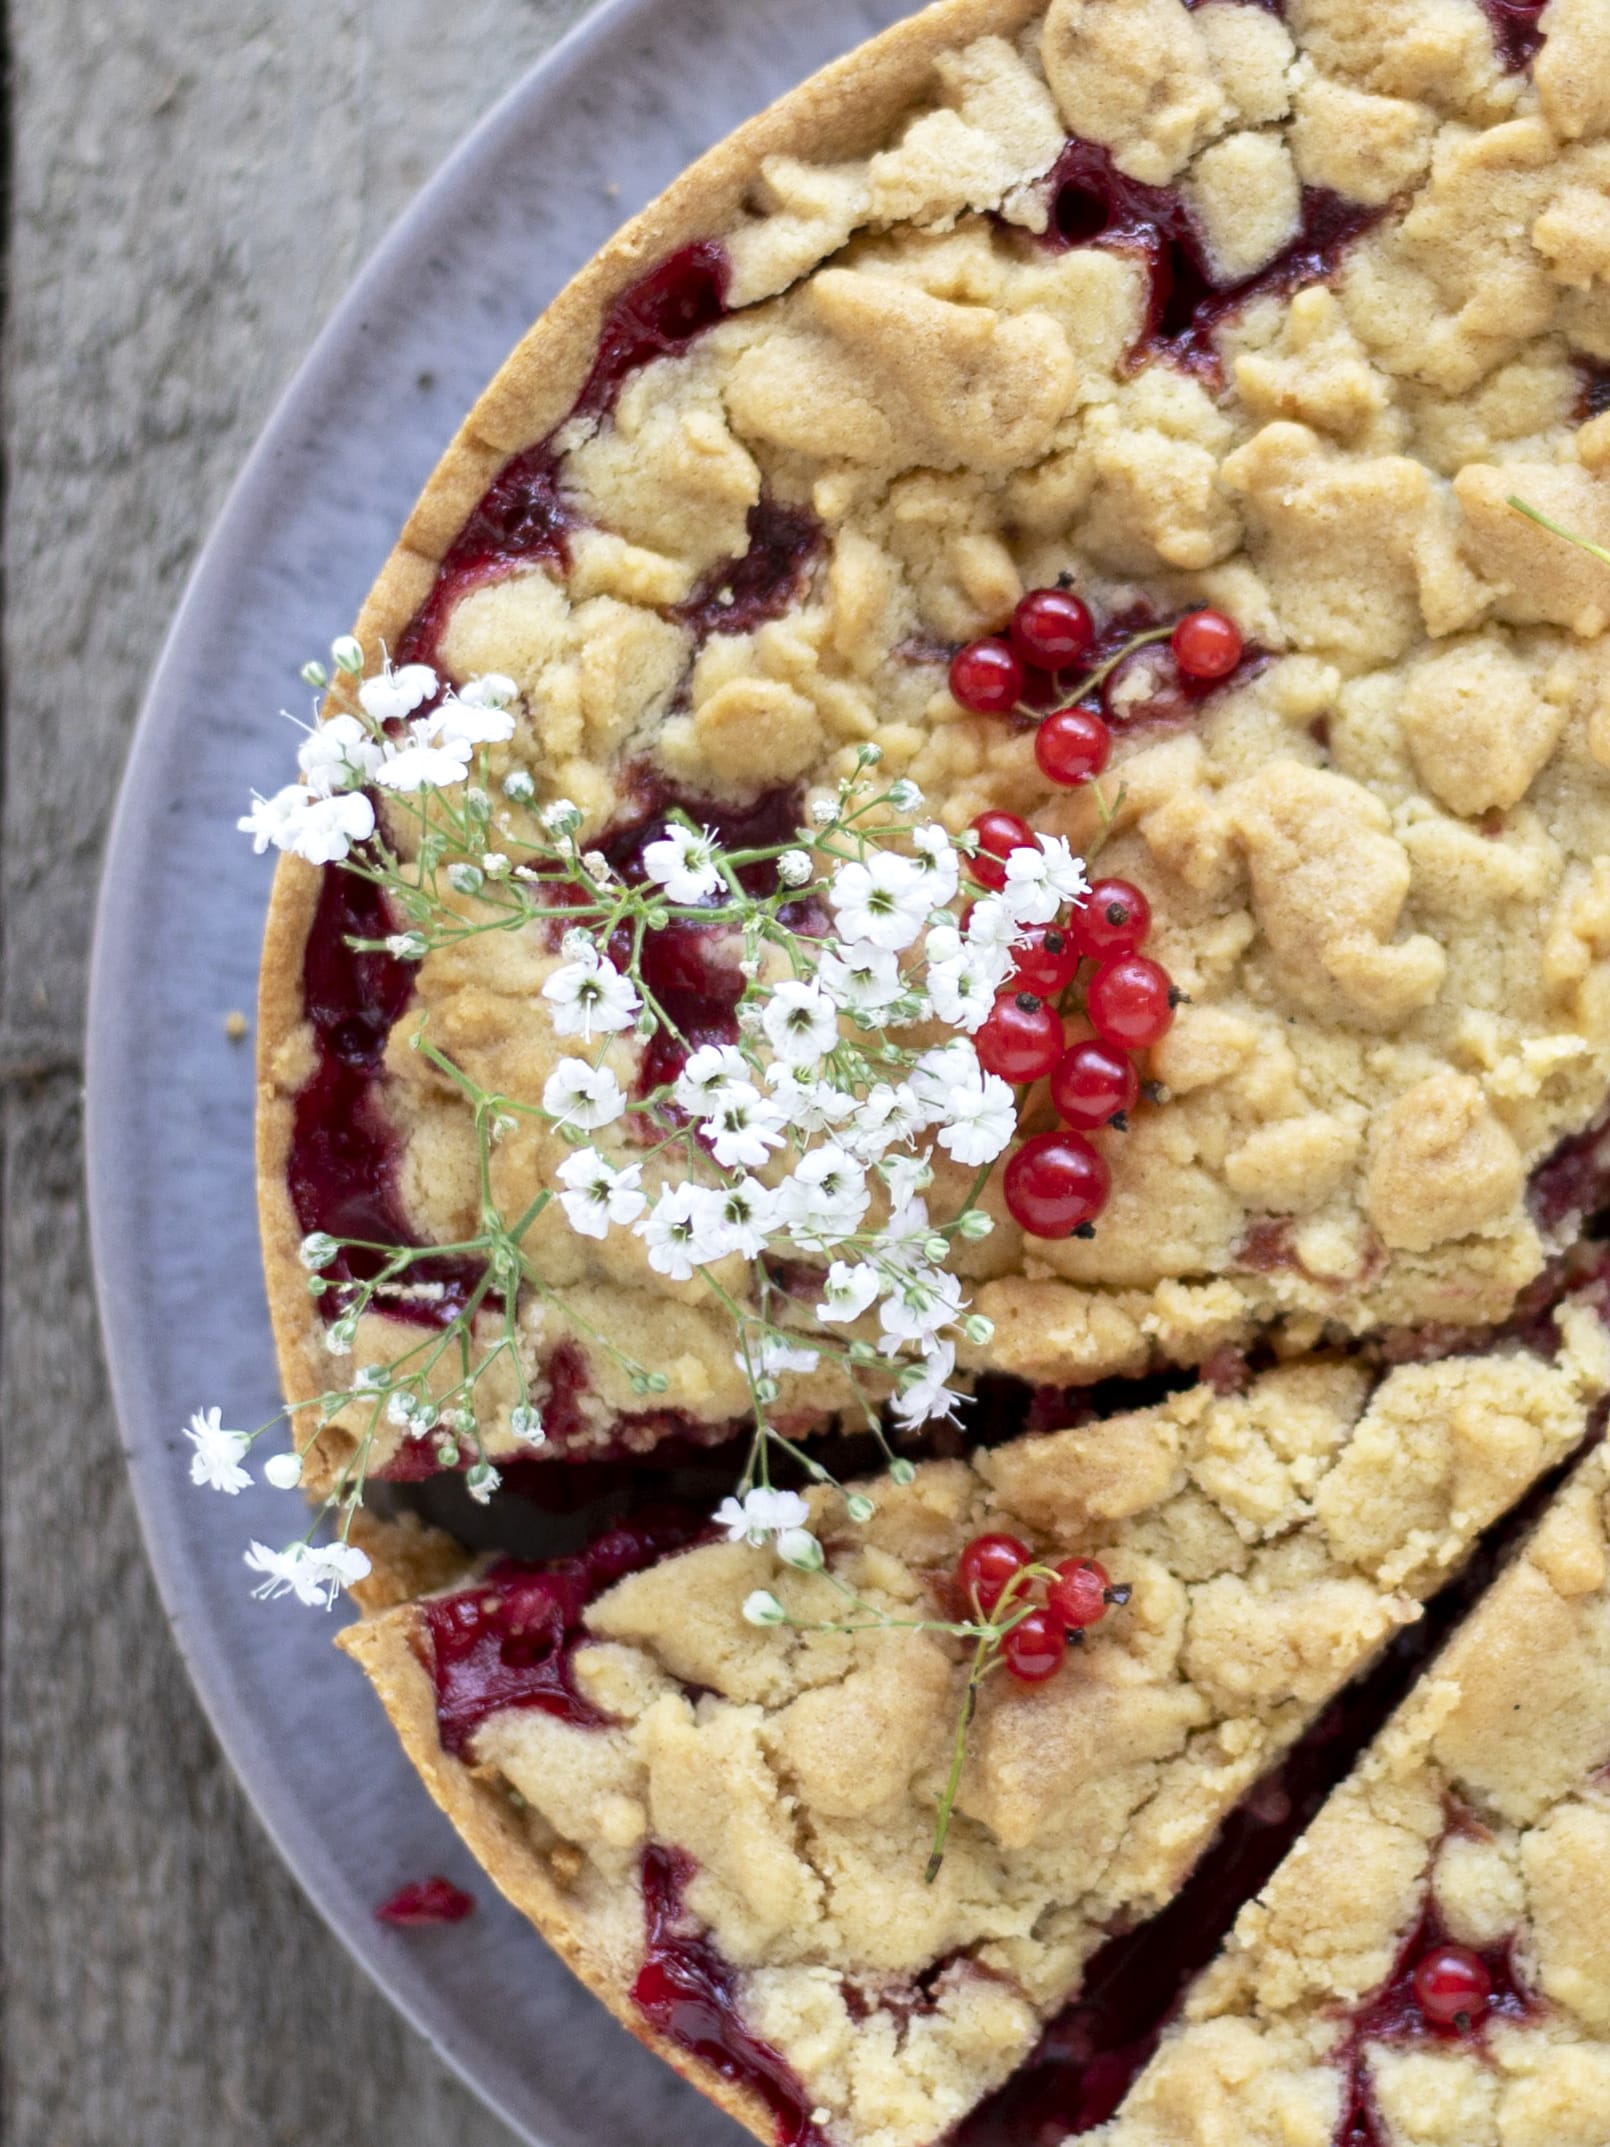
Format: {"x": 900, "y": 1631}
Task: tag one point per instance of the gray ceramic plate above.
{"x": 594, "y": 132}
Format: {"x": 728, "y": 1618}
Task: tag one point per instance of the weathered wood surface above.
{"x": 194, "y": 184}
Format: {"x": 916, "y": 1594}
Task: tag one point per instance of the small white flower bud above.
{"x": 476, "y": 803}
{"x": 519, "y": 787}
{"x": 526, "y": 1424}
{"x": 447, "y": 1452}
{"x": 317, "y": 1250}
{"x": 798, "y": 1548}
{"x": 481, "y": 1481}
{"x": 372, "y": 1378}
{"x": 935, "y": 1249}
{"x": 465, "y": 879}
{"x": 859, "y": 1507}
{"x": 902, "y": 1472}
{"x": 978, "y": 1328}
{"x": 495, "y": 865}
{"x": 824, "y": 811}
{"x": 904, "y": 796}
{"x": 598, "y": 865}
{"x": 561, "y": 817}
{"x": 766, "y": 1389}
{"x": 315, "y": 675}
{"x": 408, "y": 946}
{"x": 763, "y": 1608}
{"x": 348, "y": 654}
{"x": 339, "y": 1338}
{"x": 284, "y": 1471}
{"x": 795, "y": 869}
{"x": 975, "y": 1225}
{"x": 869, "y": 755}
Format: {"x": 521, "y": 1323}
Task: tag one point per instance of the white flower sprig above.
{"x": 808, "y": 1143}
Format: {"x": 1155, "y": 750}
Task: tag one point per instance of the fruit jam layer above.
{"x": 523, "y": 518}
{"x": 1093, "y": 203}
{"x": 688, "y": 1992}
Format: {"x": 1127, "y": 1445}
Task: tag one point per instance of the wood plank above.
{"x": 194, "y": 186}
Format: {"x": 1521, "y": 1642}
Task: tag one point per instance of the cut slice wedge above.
{"x": 1479, "y": 1821}
{"x": 724, "y": 1830}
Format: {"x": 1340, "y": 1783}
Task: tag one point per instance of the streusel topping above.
{"x": 967, "y": 365}
{"x": 1478, "y": 1828}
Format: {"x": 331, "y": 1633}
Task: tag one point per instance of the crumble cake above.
{"x": 724, "y": 1830}
{"x": 1198, "y": 307}
{"x": 1266, "y": 311}
{"x": 1431, "y": 1966}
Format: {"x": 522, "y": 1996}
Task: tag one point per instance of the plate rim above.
{"x": 294, "y": 1837}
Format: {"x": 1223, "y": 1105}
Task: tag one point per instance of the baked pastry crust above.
{"x": 1274, "y": 1542}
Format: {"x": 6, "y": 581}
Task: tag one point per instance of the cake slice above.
{"x": 1430, "y": 1967}
{"x": 724, "y": 1829}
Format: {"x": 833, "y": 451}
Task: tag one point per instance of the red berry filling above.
{"x": 426, "y": 1902}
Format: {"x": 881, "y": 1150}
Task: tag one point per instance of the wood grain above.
{"x": 193, "y": 185}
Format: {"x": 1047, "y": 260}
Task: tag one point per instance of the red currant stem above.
{"x": 1100, "y": 675}
{"x": 987, "y": 1641}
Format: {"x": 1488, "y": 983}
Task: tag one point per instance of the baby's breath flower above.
{"x": 495, "y": 865}
{"x": 589, "y": 994}
{"x": 519, "y": 786}
{"x": 465, "y": 878}
{"x": 794, "y": 868}
{"x": 408, "y": 946}
{"x": 859, "y": 1508}
{"x": 217, "y": 1454}
{"x": 585, "y": 1097}
{"x": 904, "y": 795}
{"x": 797, "y": 1547}
{"x": 283, "y": 1471}
{"x": 824, "y": 811}
{"x": 347, "y": 652}
{"x": 902, "y": 1472}
{"x": 761, "y": 1607}
{"x": 683, "y": 863}
{"x": 317, "y": 1250}
{"x": 760, "y": 1514}
{"x": 975, "y": 1225}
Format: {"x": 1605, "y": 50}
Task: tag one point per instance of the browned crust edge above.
{"x": 492, "y": 1831}
{"x": 845, "y": 111}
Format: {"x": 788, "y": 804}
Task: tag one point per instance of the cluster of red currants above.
{"x": 1057, "y": 1184}
{"x": 1051, "y": 633}
{"x": 1047, "y": 1605}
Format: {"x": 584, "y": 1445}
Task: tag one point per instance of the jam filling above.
{"x": 523, "y": 516}
{"x": 741, "y": 594}
{"x": 342, "y": 1167}
{"x": 1517, "y": 30}
{"x": 1095, "y": 204}
{"x": 687, "y": 1991}
{"x": 1393, "y": 2014}
{"x": 509, "y": 1640}
{"x": 426, "y": 1903}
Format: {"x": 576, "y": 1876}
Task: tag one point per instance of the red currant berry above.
{"x": 1034, "y": 1648}
{"x": 1114, "y": 918}
{"x": 1046, "y": 961}
{"x": 1207, "y": 645}
{"x": 1021, "y": 1040}
{"x": 999, "y": 834}
{"x": 1131, "y": 1002}
{"x": 1092, "y": 1084}
{"x": 986, "y": 677}
{"x": 1452, "y": 1987}
{"x": 1078, "y": 1595}
{"x": 1052, "y": 630}
{"x": 986, "y": 1565}
{"x": 1056, "y": 1184}
{"x": 1072, "y": 746}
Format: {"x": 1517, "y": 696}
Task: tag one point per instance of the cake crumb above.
{"x": 236, "y": 1026}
